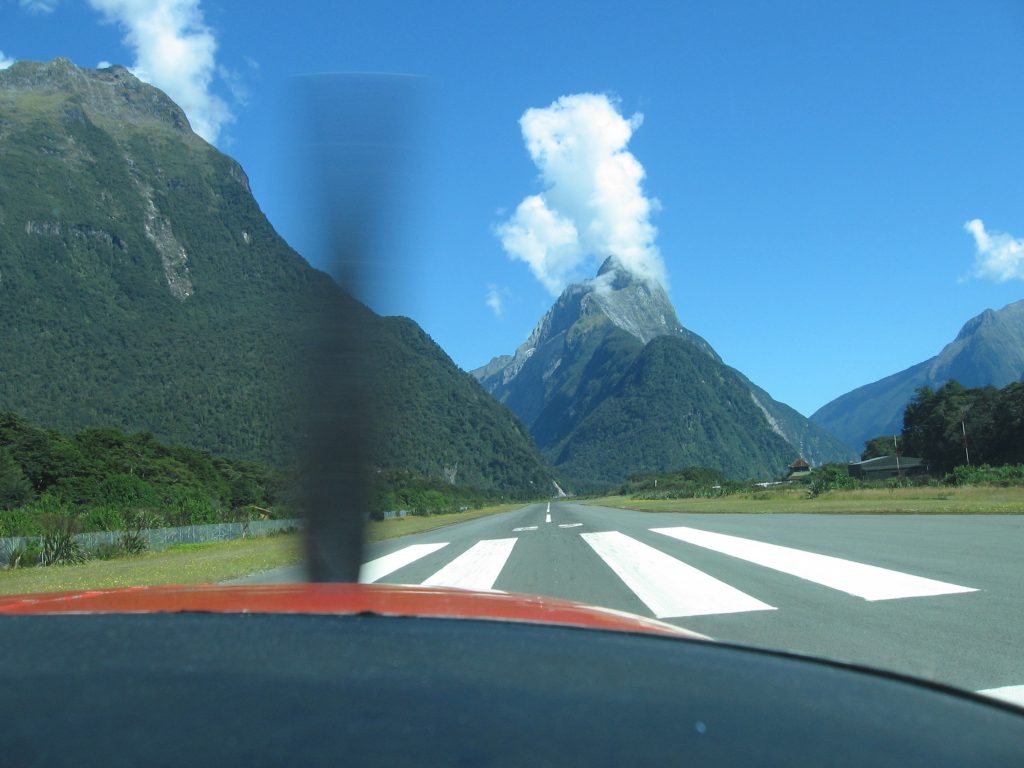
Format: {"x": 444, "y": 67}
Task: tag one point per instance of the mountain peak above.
{"x": 641, "y": 308}
{"x": 614, "y": 275}
{"x": 610, "y": 382}
{"x": 610, "y": 264}
{"x": 112, "y": 93}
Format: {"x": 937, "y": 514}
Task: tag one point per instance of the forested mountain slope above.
{"x": 142, "y": 288}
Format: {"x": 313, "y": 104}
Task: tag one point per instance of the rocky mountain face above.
{"x": 141, "y": 287}
{"x": 610, "y": 383}
{"x": 988, "y": 351}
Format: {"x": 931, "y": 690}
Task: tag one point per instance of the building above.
{"x": 798, "y": 469}
{"x": 887, "y": 466}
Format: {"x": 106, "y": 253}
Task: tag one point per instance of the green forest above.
{"x": 967, "y": 436}
{"x": 956, "y": 426}
{"x": 105, "y": 479}
{"x": 101, "y": 478}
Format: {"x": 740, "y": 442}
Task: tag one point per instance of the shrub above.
{"x": 24, "y": 555}
{"x": 59, "y": 546}
{"x": 15, "y": 488}
{"x": 20, "y": 522}
{"x": 132, "y": 541}
{"x": 192, "y": 510}
{"x": 104, "y": 518}
{"x": 830, "y": 477}
{"x": 1005, "y": 476}
{"x": 106, "y": 551}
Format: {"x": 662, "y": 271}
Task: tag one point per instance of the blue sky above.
{"x": 814, "y": 164}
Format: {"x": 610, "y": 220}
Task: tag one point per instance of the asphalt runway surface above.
{"x": 935, "y": 596}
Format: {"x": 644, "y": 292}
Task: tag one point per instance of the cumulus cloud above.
{"x": 5, "y": 61}
{"x": 592, "y": 204}
{"x": 998, "y": 256}
{"x": 176, "y": 52}
{"x": 39, "y": 6}
{"x": 495, "y": 299}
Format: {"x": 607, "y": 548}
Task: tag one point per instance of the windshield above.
{"x": 706, "y": 312}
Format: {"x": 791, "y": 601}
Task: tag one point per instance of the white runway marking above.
{"x": 476, "y": 568}
{"x": 867, "y": 581}
{"x": 668, "y": 587}
{"x": 1011, "y": 693}
{"x": 569, "y": 525}
{"x": 382, "y": 566}
{"x": 525, "y": 528}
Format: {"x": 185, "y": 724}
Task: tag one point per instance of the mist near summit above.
{"x": 592, "y": 203}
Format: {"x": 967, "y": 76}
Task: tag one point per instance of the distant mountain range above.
{"x": 611, "y": 383}
{"x": 988, "y": 351}
{"x": 141, "y": 287}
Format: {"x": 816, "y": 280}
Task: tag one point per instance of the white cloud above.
{"x": 176, "y": 52}
{"x": 495, "y": 299}
{"x": 545, "y": 240}
{"x": 998, "y": 256}
{"x": 5, "y": 61}
{"x": 39, "y": 6}
{"x": 236, "y": 85}
{"x": 592, "y": 205}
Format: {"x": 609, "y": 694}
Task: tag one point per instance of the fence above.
{"x": 164, "y": 538}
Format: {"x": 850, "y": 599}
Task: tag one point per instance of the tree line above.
{"x": 956, "y": 426}
{"x": 107, "y": 479}
{"x": 102, "y": 477}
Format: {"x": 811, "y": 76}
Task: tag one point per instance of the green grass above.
{"x": 206, "y": 563}
{"x": 189, "y": 564}
{"x": 389, "y": 529}
{"x": 981, "y": 500}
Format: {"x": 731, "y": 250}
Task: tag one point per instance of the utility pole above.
{"x": 896, "y": 449}
{"x": 963, "y": 427}
{"x": 967, "y": 453}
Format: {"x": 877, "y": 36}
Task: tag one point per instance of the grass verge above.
{"x": 206, "y": 563}
{"x": 189, "y": 564}
{"x": 979, "y": 500}
{"x": 378, "y": 530}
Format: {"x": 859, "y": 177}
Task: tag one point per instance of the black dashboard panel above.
{"x": 308, "y": 690}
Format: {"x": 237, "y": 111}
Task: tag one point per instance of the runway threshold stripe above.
{"x": 476, "y": 568}
{"x": 867, "y": 581}
{"x": 668, "y": 587}
{"x": 382, "y": 566}
{"x": 1011, "y": 693}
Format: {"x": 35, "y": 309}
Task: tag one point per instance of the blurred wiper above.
{"x": 355, "y": 140}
